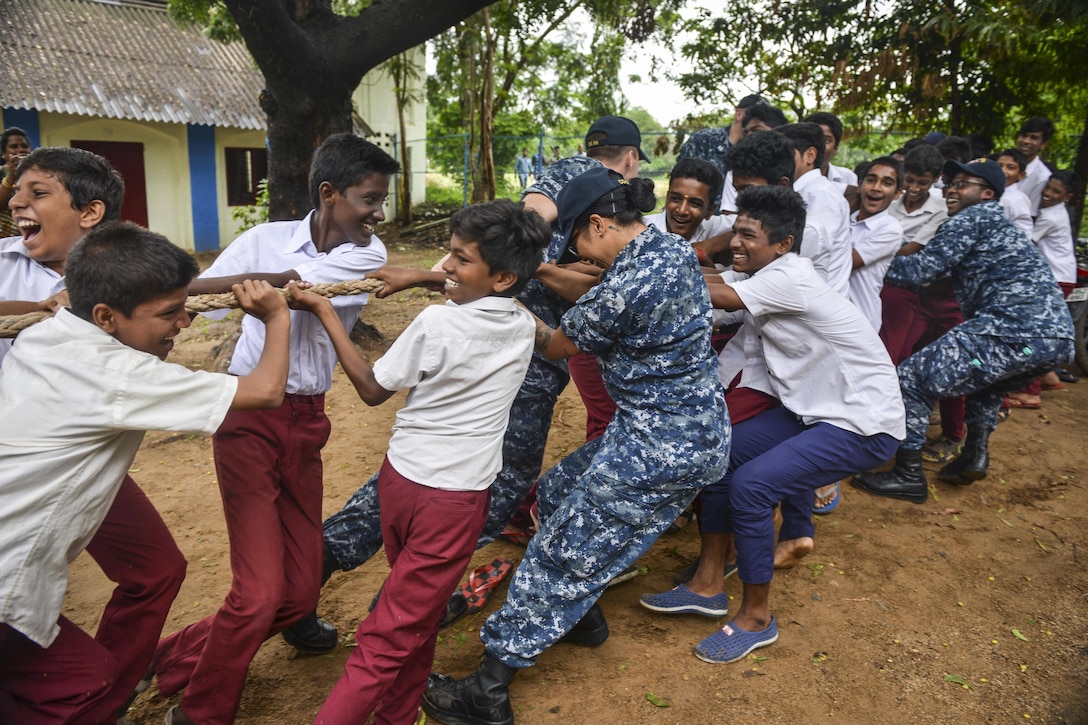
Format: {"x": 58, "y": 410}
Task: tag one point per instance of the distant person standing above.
{"x": 523, "y": 166}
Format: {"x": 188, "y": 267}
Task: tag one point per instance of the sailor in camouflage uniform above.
{"x": 604, "y": 505}
{"x": 353, "y": 535}
{"x": 1017, "y": 327}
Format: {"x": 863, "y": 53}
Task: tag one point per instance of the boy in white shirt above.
{"x": 1014, "y": 202}
{"x": 875, "y": 236}
{"x": 841, "y": 408}
{"x": 76, "y": 394}
{"x": 463, "y": 362}
{"x": 831, "y": 125}
{"x": 693, "y": 185}
{"x": 826, "y": 208}
{"x": 1033, "y": 138}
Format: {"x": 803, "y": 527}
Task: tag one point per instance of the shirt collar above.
{"x": 490, "y": 303}
{"x": 301, "y": 237}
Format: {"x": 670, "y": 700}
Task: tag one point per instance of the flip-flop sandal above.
{"x": 831, "y": 505}
{"x": 1055, "y": 386}
{"x": 1017, "y": 403}
{"x": 685, "y": 519}
{"x": 482, "y": 582}
{"x": 516, "y": 536}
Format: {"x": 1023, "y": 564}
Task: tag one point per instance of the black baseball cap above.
{"x": 985, "y": 169}
{"x": 617, "y": 131}
{"x": 580, "y": 193}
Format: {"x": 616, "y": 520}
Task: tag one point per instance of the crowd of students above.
{"x": 783, "y": 325}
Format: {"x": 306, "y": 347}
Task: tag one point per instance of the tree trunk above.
{"x": 405, "y": 180}
{"x": 1080, "y": 166}
{"x": 487, "y": 102}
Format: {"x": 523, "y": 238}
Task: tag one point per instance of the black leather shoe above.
{"x": 482, "y": 698}
{"x": 907, "y": 481}
{"x": 972, "y": 462}
{"x": 455, "y": 609}
{"x": 311, "y": 635}
{"x": 590, "y": 631}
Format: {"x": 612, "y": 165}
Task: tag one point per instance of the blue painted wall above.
{"x": 26, "y": 120}
{"x": 202, "y": 181}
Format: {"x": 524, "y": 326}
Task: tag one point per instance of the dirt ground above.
{"x": 972, "y": 608}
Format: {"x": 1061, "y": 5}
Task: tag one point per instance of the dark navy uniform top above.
{"x": 1002, "y": 282}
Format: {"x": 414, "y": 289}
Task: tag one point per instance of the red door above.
{"x": 128, "y": 158}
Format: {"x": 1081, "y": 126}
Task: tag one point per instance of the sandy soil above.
{"x": 972, "y": 608}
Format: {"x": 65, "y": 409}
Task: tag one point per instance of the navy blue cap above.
{"x": 934, "y": 137}
{"x": 985, "y": 169}
{"x": 580, "y": 193}
{"x": 618, "y": 131}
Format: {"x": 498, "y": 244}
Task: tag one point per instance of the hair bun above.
{"x": 642, "y": 194}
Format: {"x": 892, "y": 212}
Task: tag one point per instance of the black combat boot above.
{"x": 482, "y": 698}
{"x": 590, "y": 631}
{"x": 973, "y": 460}
{"x": 906, "y": 481}
{"x": 312, "y": 635}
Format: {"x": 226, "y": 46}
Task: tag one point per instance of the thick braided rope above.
{"x": 12, "y": 325}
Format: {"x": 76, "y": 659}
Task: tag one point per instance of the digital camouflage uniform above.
{"x": 603, "y": 506}
{"x": 1017, "y": 325}
{"x": 354, "y": 534}
{"x": 709, "y": 144}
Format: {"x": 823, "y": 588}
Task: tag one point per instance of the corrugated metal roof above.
{"x": 123, "y": 61}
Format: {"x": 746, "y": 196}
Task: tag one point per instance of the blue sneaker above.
{"x": 731, "y": 643}
{"x": 682, "y": 600}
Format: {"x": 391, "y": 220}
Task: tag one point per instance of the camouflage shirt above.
{"x": 1002, "y": 282}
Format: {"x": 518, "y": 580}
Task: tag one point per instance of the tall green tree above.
{"x": 312, "y": 58}
{"x": 515, "y": 67}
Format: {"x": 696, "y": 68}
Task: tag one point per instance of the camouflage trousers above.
{"x": 592, "y": 527}
{"x": 354, "y": 533}
{"x": 980, "y": 367}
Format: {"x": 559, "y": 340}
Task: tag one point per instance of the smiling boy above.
{"x": 463, "y": 363}
{"x": 62, "y": 194}
{"x": 76, "y": 395}
{"x": 268, "y": 463}
{"x": 689, "y": 212}
{"x": 875, "y": 236}
{"x": 1034, "y": 136}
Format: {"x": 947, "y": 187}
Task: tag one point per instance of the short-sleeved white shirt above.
{"x": 877, "y": 240}
{"x": 277, "y": 247}
{"x": 74, "y": 405}
{"x": 841, "y": 176}
{"x": 712, "y": 227}
{"x": 1053, "y": 234}
{"x": 1036, "y": 175}
{"x": 22, "y": 278}
{"x": 464, "y": 365}
{"x": 920, "y": 225}
{"x": 1017, "y": 208}
{"x": 825, "y": 362}
{"x": 828, "y": 211}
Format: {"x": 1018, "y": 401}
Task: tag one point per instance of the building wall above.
{"x": 231, "y": 138}
{"x": 166, "y": 164}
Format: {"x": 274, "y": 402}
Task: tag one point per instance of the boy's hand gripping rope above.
{"x": 12, "y": 325}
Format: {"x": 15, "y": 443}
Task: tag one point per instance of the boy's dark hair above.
{"x": 956, "y": 148}
{"x": 1016, "y": 155}
{"x": 764, "y": 155}
{"x": 924, "y": 159}
{"x": 915, "y": 142}
{"x": 123, "y": 265}
{"x": 1068, "y": 179}
{"x": 8, "y": 133}
{"x": 509, "y": 236}
{"x": 804, "y": 136}
{"x": 823, "y": 118}
{"x": 1038, "y": 124}
{"x": 767, "y": 113}
{"x": 888, "y": 161}
{"x": 702, "y": 171}
{"x": 344, "y": 160}
{"x": 85, "y": 175}
{"x": 980, "y": 144}
{"x": 778, "y": 208}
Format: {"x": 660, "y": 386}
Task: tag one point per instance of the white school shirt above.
{"x": 464, "y": 365}
{"x": 711, "y": 227}
{"x": 1036, "y": 175}
{"x": 827, "y": 210}
{"x": 280, "y": 246}
{"x": 23, "y": 279}
{"x": 825, "y": 362}
{"x": 920, "y": 225}
{"x": 841, "y": 176}
{"x": 877, "y": 239}
{"x": 74, "y": 406}
{"x": 1054, "y": 235}
{"x": 729, "y": 196}
{"x": 1017, "y": 208}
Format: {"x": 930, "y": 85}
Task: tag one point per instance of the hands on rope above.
{"x": 12, "y": 325}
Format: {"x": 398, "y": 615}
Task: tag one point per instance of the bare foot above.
{"x": 789, "y": 553}
{"x": 824, "y": 495}
{"x": 1023, "y": 400}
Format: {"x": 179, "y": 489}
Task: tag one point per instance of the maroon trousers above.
{"x": 585, "y": 371}
{"x": 269, "y": 468}
{"x": 80, "y": 679}
{"x": 429, "y": 537}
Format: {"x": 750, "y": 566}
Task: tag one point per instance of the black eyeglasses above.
{"x": 957, "y": 185}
